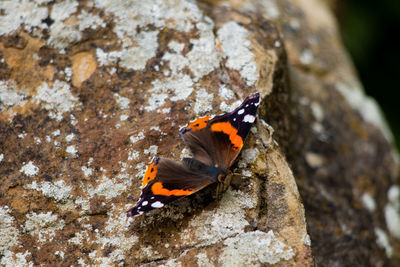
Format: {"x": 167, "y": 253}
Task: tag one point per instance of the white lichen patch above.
{"x": 227, "y": 220}
{"x": 247, "y": 173}
{"x": 317, "y": 111}
{"x": 155, "y": 101}
{"x": 203, "y": 57}
{"x": 176, "y": 47}
{"x": 383, "y": 241}
{"x": 70, "y": 137}
{"x": 72, "y": 151}
{"x": 43, "y": 226}
{"x": 203, "y": 260}
{"x": 109, "y": 188}
{"x": 63, "y": 9}
{"x": 89, "y": 21}
{"x": 392, "y": 211}
{"x": 68, "y": 74}
{"x": 56, "y": 132}
{"x": 29, "y": 169}
{"x": 269, "y": 8}
{"x": 58, "y": 190}
{"x": 155, "y": 128}
{"x": 115, "y": 235}
{"x": 145, "y": 48}
{"x": 229, "y": 108}
{"x": 79, "y": 237}
{"x": 106, "y": 59}
{"x": 365, "y": 105}
{"x": 60, "y": 254}
{"x": 123, "y": 102}
{"x": 176, "y": 62}
{"x": 148, "y": 252}
{"x": 10, "y": 95}
{"x": 87, "y": 171}
{"x": 151, "y": 151}
{"x": 22, "y": 135}
{"x": 248, "y": 156}
{"x": 84, "y": 203}
{"x": 123, "y": 117}
{"x": 178, "y": 86}
{"x": 72, "y": 119}
{"x": 29, "y": 13}
{"x": 140, "y": 170}
{"x": 136, "y": 138}
{"x": 224, "y": 107}
{"x": 16, "y": 259}
{"x": 306, "y": 57}
{"x": 175, "y": 14}
{"x": 56, "y": 99}
{"x": 62, "y": 31}
{"x": 307, "y": 240}
{"x": 254, "y": 248}
{"x": 140, "y": 46}
{"x": 133, "y": 155}
{"x": 236, "y": 48}
{"x": 203, "y": 101}
{"x": 1, "y": 157}
{"x": 61, "y": 35}
{"x": 368, "y": 202}
{"x": 9, "y": 234}
{"x": 165, "y": 111}
{"x": 225, "y": 92}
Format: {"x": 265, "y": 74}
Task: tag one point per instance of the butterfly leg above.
{"x": 218, "y": 191}
{"x": 223, "y": 183}
{"x": 227, "y": 181}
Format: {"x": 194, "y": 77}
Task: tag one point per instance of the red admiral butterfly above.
{"x": 215, "y": 144}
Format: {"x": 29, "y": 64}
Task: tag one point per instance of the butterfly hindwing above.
{"x": 166, "y": 180}
{"x": 221, "y": 139}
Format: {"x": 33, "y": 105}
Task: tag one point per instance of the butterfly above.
{"x": 215, "y": 143}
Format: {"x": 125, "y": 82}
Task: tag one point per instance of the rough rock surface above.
{"x": 90, "y": 91}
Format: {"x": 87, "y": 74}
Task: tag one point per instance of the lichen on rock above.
{"x": 90, "y": 91}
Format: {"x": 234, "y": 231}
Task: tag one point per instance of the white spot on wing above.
{"x": 249, "y": 118}
{"x": 145, "y": 203}
{"x": 157, "y": 204}
{"x": 241, "y": 111}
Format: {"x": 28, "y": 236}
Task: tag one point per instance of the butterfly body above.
{"x": 215, "y": 143}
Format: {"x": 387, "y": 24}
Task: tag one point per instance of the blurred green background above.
{"x": 370, "y": 30}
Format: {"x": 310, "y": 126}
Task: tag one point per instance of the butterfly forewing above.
{"x": 219, "y": 141}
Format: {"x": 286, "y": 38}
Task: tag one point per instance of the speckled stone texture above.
{"x": 90, "y": 91}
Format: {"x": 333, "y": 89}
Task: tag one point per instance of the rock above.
{"x": 90, "y": 91}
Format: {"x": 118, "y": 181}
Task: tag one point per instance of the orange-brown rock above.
{"x": 90, "y": 91}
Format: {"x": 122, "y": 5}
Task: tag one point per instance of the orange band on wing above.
{"x": 158, "y": 189}
{"x": 150, "y": 174}
{"x": 232, "y": 132}
{"x": 199, "y": 124}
